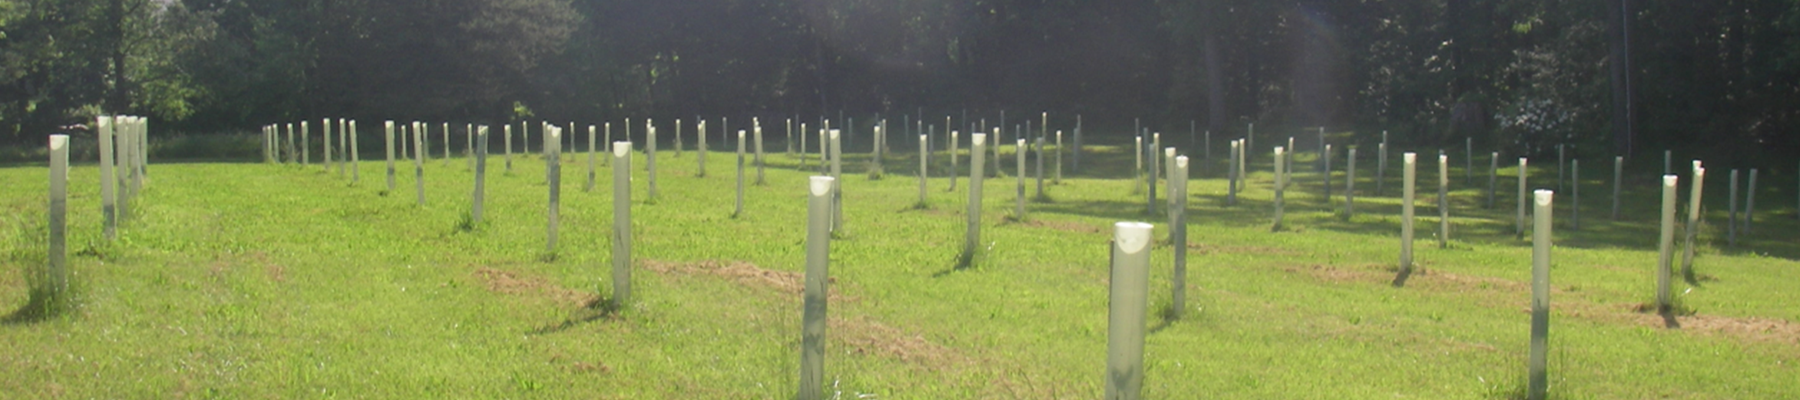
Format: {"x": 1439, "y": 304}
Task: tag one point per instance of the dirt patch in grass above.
{"x": 218, "y": 267}
{"x": 1421, "y": 277}
{"x": 1363, "y": 273}
{"x": 860, "y": 334}
{"x": 743, "y": 273}
{"x": 1468, "y": 281}
{"x": 1211, "y": 249}
{"x": 1755, "y": 329}
{"x": 276, "y": 272}
{"x": 942, "y": 210}
{"x": 1024, "y": 383}
{"x": 1616, "y": 268}
{"x": 579, "y": 366}
{"x": 1065, "y": 226}
{"x": 1751, "y": 329}
{"x": 223, "y": 264}
{"x": 508, "y": 282}
{"x": 865, "y": 336}
{"x": 1347, "y": 274}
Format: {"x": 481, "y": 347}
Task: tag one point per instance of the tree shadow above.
{"x": 1401, "y": 277}
{"x": 1476, "y": 223}
{"x": 1687, "y": 274}
{"x": 964, "y": 262}
{"x": 41, "y": 305}
{"x": 915, "y": 206}
{"x": 599, "y": 308}
{"x": 1670, "y": 313}
{"x": 1669, "y": 320}
{"x": 466, "y": 224}
{"x": 1162, "y": 323}
{"x": 1167, "y": 316}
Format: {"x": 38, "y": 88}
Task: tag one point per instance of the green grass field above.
{"x": 238, "y": 280}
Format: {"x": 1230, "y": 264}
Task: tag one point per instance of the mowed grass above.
{"x": 266, "y": 281}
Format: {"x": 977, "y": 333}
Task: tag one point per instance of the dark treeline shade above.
{"x": 1517, "y": 76}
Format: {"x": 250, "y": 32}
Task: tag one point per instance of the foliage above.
{"x": 1712, "y": 77}
{"x": 62, "y": 62}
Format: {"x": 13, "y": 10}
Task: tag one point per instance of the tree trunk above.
{"x": 1455, "y": 24}
{"x": 1215, "y": 83}
{"x": 118, "y": 98}
{"x": 1618, "y": 41}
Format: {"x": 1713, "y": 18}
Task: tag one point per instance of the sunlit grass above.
{"x": 251, "y": 281}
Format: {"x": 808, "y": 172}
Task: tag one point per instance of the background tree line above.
{"x": 1718, "y": 76}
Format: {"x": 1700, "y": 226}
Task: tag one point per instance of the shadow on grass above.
{"x": 964, "y": 262}
{"x": 41, "y": 305}
{"x": 1475, "y": 223}
{"x": 466, "y": 224}
{"x": 1401, "y": 277}
{"x": 1166, "y": 317}
{"x": 915, "y": 206}
{"x": 1669, "y": 320}
{"x": 1107, "y": 209}
{"x": 1670, "y": 313}
{"x": 1520, "y": 390}
{"x": 597, "y": 309}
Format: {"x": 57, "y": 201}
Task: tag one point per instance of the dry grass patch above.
{"x": 1422, "y": 278}
{"x": 860, "y": 334}
{"x": 867, "y": 336}
{"x": 743, "y": 273}
{"x": 1364, "y": 273}
{"x": 276, "y": 272}
{"x": 1432, "y": 278}
{"x": 508, "y": 282}
{"x": 1751, "y": 328}
{"x": 1754, "y": 329}
{"x": 1065, "y": 226}
{"x": 1265, "y": 250}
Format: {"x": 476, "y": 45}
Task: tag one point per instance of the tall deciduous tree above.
{"x": 1715, "y": 77}
{"x": 65, "y": 61}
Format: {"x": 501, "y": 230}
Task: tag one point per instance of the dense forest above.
{"x": 1716, "y": 76}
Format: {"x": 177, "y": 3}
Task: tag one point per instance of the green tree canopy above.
{"x": 1718, "y": 76}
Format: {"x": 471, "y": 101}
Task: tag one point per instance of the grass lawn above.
{"x": 242, "y": 280}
